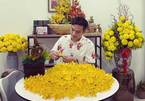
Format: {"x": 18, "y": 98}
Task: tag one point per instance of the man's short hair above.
{"x": 80, "y": 21}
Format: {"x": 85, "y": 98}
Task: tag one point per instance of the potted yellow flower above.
{"x": 123, "y": 36}
{"x": 118, "y": 42}
{"x": 11, "y": 43}
{"x": 60, "y": 21}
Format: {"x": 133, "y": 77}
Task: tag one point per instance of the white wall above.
{"x": 17, "y": 16}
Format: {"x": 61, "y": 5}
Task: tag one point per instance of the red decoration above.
{"x": 125, "y": 54}
{"x": 75, "y": 10}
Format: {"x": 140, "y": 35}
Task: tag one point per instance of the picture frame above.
{"x": 40, "y": 27}
{"x": 51, "y": 5}
{"x": 43, "y": 30}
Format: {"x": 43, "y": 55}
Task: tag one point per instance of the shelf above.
{"x": 57, "y": 36}
{"x": 95, "y": 36}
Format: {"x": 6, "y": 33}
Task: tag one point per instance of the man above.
{"x": 74, "y": 47}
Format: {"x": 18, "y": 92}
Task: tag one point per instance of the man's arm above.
{"x": 54, "y": 53}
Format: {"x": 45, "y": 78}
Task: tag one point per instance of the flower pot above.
{"x": 34, "y": 68}
{"x": 140, "y": 93}
{"x": 12, "y": 60}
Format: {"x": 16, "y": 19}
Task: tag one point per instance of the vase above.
{"x": 140, "y": 93}
{"x": 124, "y": 75}
{"x": 126, "y": 85}
{"x": 12, "y": 60}
{"x": 20, "y": 59}
{"x": 122, "y": 58}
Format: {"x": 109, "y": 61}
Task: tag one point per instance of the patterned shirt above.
{"x": 83, "y": 50}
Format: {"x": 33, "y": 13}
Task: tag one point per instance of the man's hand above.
{"x": 54, "y": 55}
{"x": 68, "y": 59}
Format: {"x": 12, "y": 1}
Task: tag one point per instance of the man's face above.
{"x": 76, "y": 32}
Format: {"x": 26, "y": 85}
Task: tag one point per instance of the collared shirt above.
{"x": 83, "y": 50}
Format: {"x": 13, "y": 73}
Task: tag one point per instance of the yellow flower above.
{"x": 108, "y": 58}
{"x": 121, "y": 33}
{"x": 122, "y": 18}
{"x": 119, "y": 29}
{"x": 107, "y": 37}
{"x": 139, "y": 34}
{"x": 140, "y": 39}
{"x": 131, "y": 32}
{"x": 124, "y": 42}
{"x": 69, "y": 80}
{"x": 126, "y": 31}
{"x": 136, "y": 42}
{"x": 9, "y": 48}
{"x": 12, "y": 42}
{"x": 108, "y": 53}
{"x": 3, "y": 49}
{"x": 1, "y": 38}
{"x": 130, "y": 44}
{"x": 131, "y": 36}
{"x": 137, "y": 29}
{"x": 113, "y": 39}
{"x": 62, "y": 10}
{"x": 106, "y": 43}
{"x": 119, "y": 23}
{"x": 111, "y": 33}
{"x": 111, "y": 48}
{"x": 128, "y": 22}
{"x": 126, "y": 34}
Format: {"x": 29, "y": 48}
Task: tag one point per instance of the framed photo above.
{"x": 42, "y": 30}
{"x": 40, "y": 26}
{"x": 51, "y": 5}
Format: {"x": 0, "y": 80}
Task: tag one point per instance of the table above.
{"x": 19, "y": 87}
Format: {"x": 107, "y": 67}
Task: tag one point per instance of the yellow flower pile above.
{"x": 12, "y": 43}
{"x": 69, "y": 80}
{"x": 123, "y": 33}
{"x": 62, "y": 9}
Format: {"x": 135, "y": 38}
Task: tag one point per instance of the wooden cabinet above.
{"x": 48, "y": 39}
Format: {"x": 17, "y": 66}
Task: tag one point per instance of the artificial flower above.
{"x": 65, "y": 11}
{"x": 12, "y": 42}
{"x": 69, "y": 80}
{"x": 123, "y": 33}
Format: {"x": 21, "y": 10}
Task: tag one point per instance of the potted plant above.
{"x": 34, "y": 62}
{"x": 121, "y": 38}
{"x": 118, "y": 42}
{"x": 140, "y": 92}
